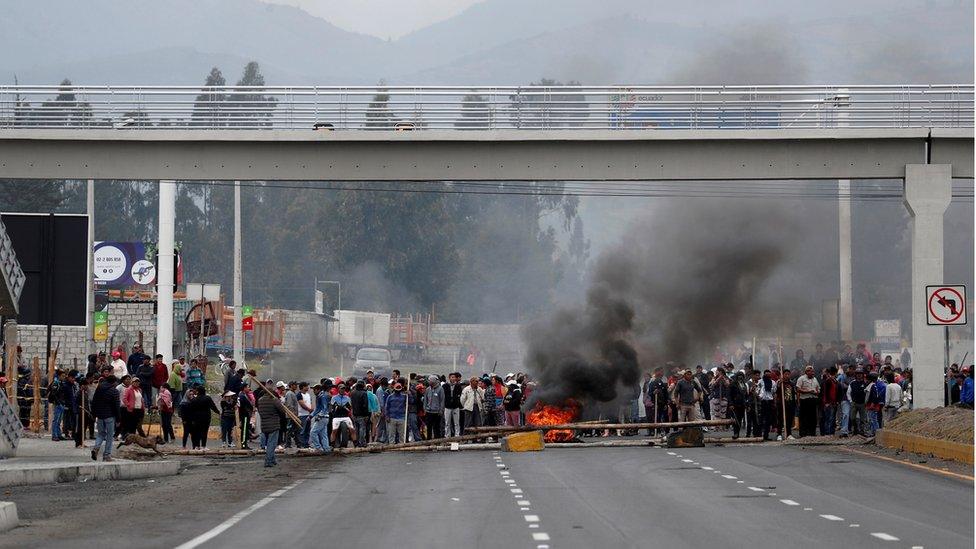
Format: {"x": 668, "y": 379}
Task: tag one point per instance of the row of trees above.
{"x": 468, "y": 257}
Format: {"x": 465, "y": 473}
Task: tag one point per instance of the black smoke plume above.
{"x": 689, "y": 276}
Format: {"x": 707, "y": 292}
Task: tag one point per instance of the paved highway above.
{"x": 748, "y": 496}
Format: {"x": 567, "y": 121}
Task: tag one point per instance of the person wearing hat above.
{"x": 808, "y": 389}
{"x": 228, "y": 411}
{"x": 340, "y": 409}
{"x": 434, "y": 408}
{"x": 118, "y": 365}
{"x": 396, "y": 408}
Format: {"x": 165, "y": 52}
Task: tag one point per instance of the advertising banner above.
{"x": 123, "y": 265}
{"x": 101, "y": 325}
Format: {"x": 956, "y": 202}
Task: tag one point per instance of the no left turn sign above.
{"x": 946, "y": 305}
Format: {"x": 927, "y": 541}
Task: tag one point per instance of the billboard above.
{"x": 53, "y": 254}
{"x": 128, "y": 265}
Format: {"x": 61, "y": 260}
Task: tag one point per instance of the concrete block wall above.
{"x": 127, "y": 318}
{"x": 32, "y": 338}
{"x": 501, "y": 342}
{"x": 300, "y": 327}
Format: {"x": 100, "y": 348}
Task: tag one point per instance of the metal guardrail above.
{"x": 486, "y": 108}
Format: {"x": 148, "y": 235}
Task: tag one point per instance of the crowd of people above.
{"x": 833, "y": 392}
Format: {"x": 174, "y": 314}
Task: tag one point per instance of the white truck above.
{"x": 358, "y": 329}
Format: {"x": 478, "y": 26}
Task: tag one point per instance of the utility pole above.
{"x": 238, "y": 292}
{"x": 164, "y": 276}
{"x": 89, "y": 280}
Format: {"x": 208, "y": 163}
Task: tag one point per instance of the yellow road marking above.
{"x": 910, "y": 464}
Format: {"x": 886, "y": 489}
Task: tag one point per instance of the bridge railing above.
{"x": 486, "y": 108}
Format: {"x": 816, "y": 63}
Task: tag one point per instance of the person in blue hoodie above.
{"x": 396, "y": 409}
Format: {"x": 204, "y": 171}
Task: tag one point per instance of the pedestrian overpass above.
{"x": 922, "y": 134}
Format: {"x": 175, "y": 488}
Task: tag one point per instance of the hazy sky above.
{"x": 382, "y": 18}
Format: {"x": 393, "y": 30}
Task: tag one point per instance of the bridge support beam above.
{"x": 165, "y": 272}
{"x": 928, "y": 190}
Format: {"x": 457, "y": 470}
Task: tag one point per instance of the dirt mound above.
{"x": 952, "y": 424}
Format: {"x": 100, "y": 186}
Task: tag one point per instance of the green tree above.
{"x": 475, "y": 112}
{"x": 208, "y": 107}
{"x": 540, "y": 108}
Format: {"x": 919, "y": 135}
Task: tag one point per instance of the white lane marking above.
{"x": 499, "y": 465}
{"x": 788, "y": 502}
{"x": 740, "y": 481}
{"x": 516, "y": 490}
{"x": 522, "y": 503}
{"x": 884, "y": 536}
{"x": 533, "y": 526}
{"x": 706, "y": 468}
{"x": 831, "y": 517}
{"x": 227, "y": 524}
{"x": 730, "y": 477}
{"x": 541, "y": 547}
{"x": 540, "y": 536}
{"x": 455, "y": 499}
{"x": 754, "y": 489}
{"x": 686, "y": 460}
{"x": 504, "y": 473}
{"x": 917, "y": 547}
{"x": 808, "y": 508}
{"x": 672, "y": 454}
{"x": 854, "y": 525}
{"x": 531, "y": 518}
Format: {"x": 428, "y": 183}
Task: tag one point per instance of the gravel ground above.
{"x": 66, "y": 515}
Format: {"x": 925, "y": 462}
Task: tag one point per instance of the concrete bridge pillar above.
{"x": 928, "y": 190}
{"x": 165, "y": 274}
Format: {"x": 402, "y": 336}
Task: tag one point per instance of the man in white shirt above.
{"x": 893, "y": 397}
{"x": 305, "y": 409}
{"x": 809, "y": 390}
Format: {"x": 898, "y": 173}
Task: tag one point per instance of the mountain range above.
{"x": 494, "y": 42}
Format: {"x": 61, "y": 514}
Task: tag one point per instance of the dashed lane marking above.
{"x": 522, "y": 503}
{"x": 788, "y": 502}
{"x": 754, "y": 489}
{"x": 686, "y": 460}
{"x": 707, "y": 468}
{"x": 531, "y": 518}
{"x": 884, "y": 536}
{"x": 730, "y": 477}
{"x": 516, "y": 490}
{"x": 831, "y": 517}
{"x": 540, "y": 536}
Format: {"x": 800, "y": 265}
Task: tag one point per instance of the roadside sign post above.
{"x": 946, "y": 306}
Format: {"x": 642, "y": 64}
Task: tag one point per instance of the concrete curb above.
{"x": 924, "y": 445}
{"x": 8, "y": 515}
{"x": 94, "y": 471}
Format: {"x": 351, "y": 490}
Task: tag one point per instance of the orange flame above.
{"x": 550, "y": 414}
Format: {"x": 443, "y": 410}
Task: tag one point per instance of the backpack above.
{"x": 877, "y": 393}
